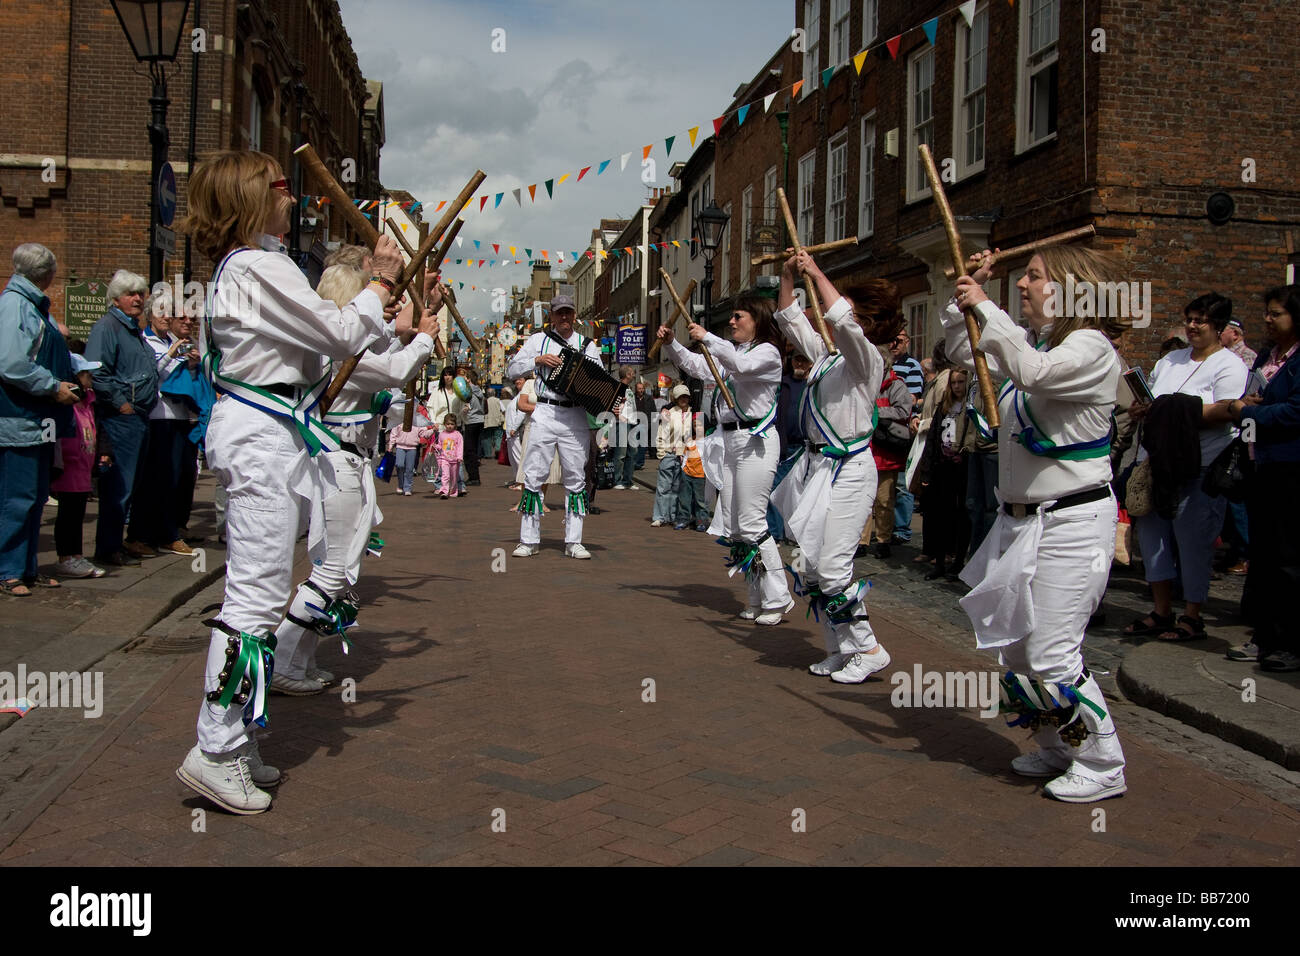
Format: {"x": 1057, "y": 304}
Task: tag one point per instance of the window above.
{"x": 812, "y": 25}
{"x": 867, "y": 184}
{"x": 255, "y": 123}
{"x": 770, "y": 214}
{"x": 837, "y": 187}
{"x": 746, "y": 224}
{"x": 1039, "y": 30}
{"x": 1012, "y": 306}
{"x": 970, "y": 74}
{"x": 804, "y": 219}
{"x": 917, "y": 310}
{"x": 724, "y": 252}
{"x": 920, "y": 120}
{"x": 695, "y": 224}
{"x": 839, "y": 32}
{"x": 870, "y": 21}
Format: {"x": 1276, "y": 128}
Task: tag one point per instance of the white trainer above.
{"x": 227, "y": 783}
{"x": 1036, "y": 764}
{"x": 526, "y": 550}
{"x": 774, "y": 616}
{"x": 829, "y": 666}
{"x": 657, "y": 523}
{"x": 293, "y": 687}
{"x": 577, "y": 551}
{"x": 317, "y": 673}
{"x": 620, "y": 487}
{"x": 1072, "y": 787}
{"x": 751, "y": 613}
{"x": 861, "y": 666}
{"x": 264, "y": 775}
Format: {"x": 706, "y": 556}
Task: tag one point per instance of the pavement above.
{"x": 614, "y": 712}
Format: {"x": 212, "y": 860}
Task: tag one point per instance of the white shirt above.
{"x": 1217, "y": 377}
{"x": 172, "y": 409}
{"x": 753, "y": 374}
{"x": 539, "y": 343}
{"x": 273, "y": 329}
{"x": 846, "y": 390}
{"x": 1070, "y": 390}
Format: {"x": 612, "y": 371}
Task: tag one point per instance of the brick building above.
{"x": 74, "y": 150}
{"x": 1044, "y": 124}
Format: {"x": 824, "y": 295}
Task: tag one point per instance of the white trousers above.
{"x": 828, "y": 529}
{"x": 254, "y": 456}
{"x": 749, "y": 466}
{"x": 348, "y": 519}
{"x": 564, "y": 430}
{"x": 1073, "y": 565}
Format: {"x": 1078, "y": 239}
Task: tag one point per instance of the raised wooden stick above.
{"x": 987, "y": 391}
{"x": 1083, "y": 232}
{"x": 704, "y": 349}
{"x": 671, "y": 323}
{"x": 813, "y": 303}
{"x": 455, "y": 314}
{"x": 818, "y": 249}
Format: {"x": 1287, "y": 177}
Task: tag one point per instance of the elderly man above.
{"x": 126, "y": 390}
{"x": 36, "y": 395}
{"x": 1233, "y": 338}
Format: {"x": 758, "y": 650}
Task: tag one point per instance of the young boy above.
{"x": 690, "y": 496}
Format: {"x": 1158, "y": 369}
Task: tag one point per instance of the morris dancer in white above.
{"x": 752, "y": 449}
{"x": 323, "y": 606}
{"x": 828, "y": 495}
{"x": 1042, "y": 570}
{"x": 263, "y": 336}
{"x": 558, "y": 424}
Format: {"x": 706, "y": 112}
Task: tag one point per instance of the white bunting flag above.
{"x": 968, "y": 12}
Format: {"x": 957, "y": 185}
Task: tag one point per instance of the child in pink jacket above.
{"x": 451, "y": 449}
{"x": 405, "y": 442}
{"x": 72, "y": 487}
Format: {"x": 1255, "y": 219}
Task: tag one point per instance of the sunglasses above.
{"x": 281, "y": 184}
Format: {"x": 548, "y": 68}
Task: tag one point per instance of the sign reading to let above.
{"x": 83, "y": 305}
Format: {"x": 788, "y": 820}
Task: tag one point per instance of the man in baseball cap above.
{"x": 1233, "y": 338}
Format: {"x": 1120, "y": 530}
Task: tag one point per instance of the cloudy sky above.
{"x": 579, "y": 82}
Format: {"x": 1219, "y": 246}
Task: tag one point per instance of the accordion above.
{"x": 584, "y": 382}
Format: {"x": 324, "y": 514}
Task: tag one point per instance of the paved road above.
{"x": 494, "y": 690}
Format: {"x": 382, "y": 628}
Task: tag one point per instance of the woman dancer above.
{"x": 263, "y": 336}
{"x": 1041, "y": 571}
{"x": 752, "y": 361}
{"x": 829, "y": 492}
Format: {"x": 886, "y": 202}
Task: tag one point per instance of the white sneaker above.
{"x": 228, "y": 783}
{"x": 657, "y": 523}
{"x": 78, "y": 568}
{"x": 1036, "y": 765}
{"x": 773, "y": 616}
{"x": 320, "y": 674}
{"x": 292, "y": 687}
{"x": 577, "y": 551}
{"x": 620, "y": 487}
{"x": 406, "y": 493}
{"x": 526, "y": 550}
{"x": 750, "y": 613}
{"x": 1071, "y": 787}
{"x": 861, "y": 666}
{"x": 633, "y": 487}
{"x": 827, "y": 667}
{"x": 264, "y": 775}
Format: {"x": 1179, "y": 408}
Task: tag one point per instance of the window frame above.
{"x": 867, "y": 176}
{"x": 917, "y": 186}
{"x": 812, "y": 47}
{"x": 1026, "y": 74}
{"x": 844, "y": 39}
{"x": 746, "y": 227}
{"x": 961, "y": 96}
{"x": 839, "y": 141}
{"x": 870, "y": 22}
{"x": 806, "y": 233}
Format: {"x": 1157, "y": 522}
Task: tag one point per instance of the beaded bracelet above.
{"x": 388, "y": 284}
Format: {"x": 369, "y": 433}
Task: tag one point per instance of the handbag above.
{"x": 384, "y": 470}
{"x": 1230, "y": 474}
{"x": 503, "y": 454}
{"x": 1138, "y": 498}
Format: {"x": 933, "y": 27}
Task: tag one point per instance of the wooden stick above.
{"x": 455, "y": 314}
{"x": 818, "y": 319}
{"x": 417, "y": 308}
{"x": 671, "y": 323}
{"x": 426, "y": 247}
{"x": 704, "y": 349}
{"x": 818, "y": 249}
{"x": 1083, "y": 232}
{"x": 987, "y": 391}
{"x": 325, "y": 179}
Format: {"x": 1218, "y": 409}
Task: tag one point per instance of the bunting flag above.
{"x": 498, "y": 202}
{"x": 512, "y": 252}
{"x": 931, "y": 28}
{"x": 583, "y": 172}
{"x": 794, "y": 92}
{"x": 741, "y": 114}
{"x": 440, "y": 205}
{"x": 892, "y": 46}
{"x": 859, "y": 60}
{"x": 544, "y": 254}
{"x": 477, "y": 244}
{"x": 518, "y": 200}
{"x": 575, "y": 257}
{"x": 496, "y": 248}
{"x": 826, "y": 76}
{"x": 968, "y": 12}
{"x": 692, "y": 133}
{"x": 528, "y": 253}
{"x": 604, "y": 254}
{"x": 668, "y": 144}
{"x": 603, "y": 164}
{"x": 717, "y": 124}
{"x": 532, "y": 192}
{"x": 482, "y": 203}
{"x": 561, "y": 180}
{"x": 460, "y": 242}
{"x": 767, "y": 101}
{"x": 550, "y": 188}
{"x": 623, "y": 165}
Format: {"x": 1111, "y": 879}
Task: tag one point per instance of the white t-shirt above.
{"x": 1218, "y": 377}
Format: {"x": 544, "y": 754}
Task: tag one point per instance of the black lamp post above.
{"x": 295, "y": 224}
{"x": 153, "y": 28}
{"x": 711, "y": 222}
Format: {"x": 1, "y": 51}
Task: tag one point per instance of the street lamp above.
{"x": 153, "y": 28}
{"x": 711, "y": 222}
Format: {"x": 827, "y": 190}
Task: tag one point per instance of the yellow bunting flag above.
{"x": 859, "y": 60}
{"x": 692, "y": 133}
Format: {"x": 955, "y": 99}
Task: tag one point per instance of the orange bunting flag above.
{"x": 797, "y": 87}
{"x": 645, "y": 152}
{"x": 532, "y": 192}
{"x": 440, "y": 205}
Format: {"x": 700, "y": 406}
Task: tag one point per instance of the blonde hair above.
{"x": 340, "y": 284}
{"x": 348, "y": 255}
{"x": 1086, "y": 265}
{"x": 229, "y": 199}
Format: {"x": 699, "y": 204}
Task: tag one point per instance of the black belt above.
{"x": 551, "y": 401}
{"x": 1017, "y": 510}
{"x": 732, "y": 426}
{"x": 285, "y": 391}
{"x": 349, "y": 447}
